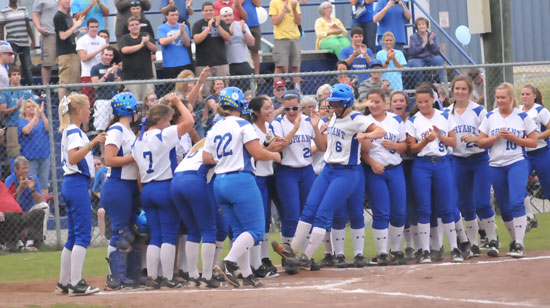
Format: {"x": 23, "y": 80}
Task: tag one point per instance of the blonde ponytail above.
{"x": 68, "y": 105}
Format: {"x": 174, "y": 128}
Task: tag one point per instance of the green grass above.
{"x": 45, "y": 265}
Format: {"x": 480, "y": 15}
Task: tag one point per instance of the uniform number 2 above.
{"x": 150, "y": 155}
{"x": 225, "y": 139}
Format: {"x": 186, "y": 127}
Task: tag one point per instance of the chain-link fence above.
{"x": 30, "y": 141}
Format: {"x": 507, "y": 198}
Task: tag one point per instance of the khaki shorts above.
{"x": 69, "y": 68}
{"x": 257, "y": 34}
{"x": 48, "y": 50}
{"x": 287, "y": 52}
{"x": 12, "y": 142}
{"x": 216, "y": 70}
{"x": 140, "y": 90}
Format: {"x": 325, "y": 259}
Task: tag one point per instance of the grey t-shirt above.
{"x": 4, "y": 79}
{"x": 236, "y": 50}
{"x": 46, "y": 10}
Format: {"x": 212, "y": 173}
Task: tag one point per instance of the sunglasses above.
{"x": 295, "y": 108}
{"x": 135, "y": 3}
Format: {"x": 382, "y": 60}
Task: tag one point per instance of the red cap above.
{"x": 279, "y": 83}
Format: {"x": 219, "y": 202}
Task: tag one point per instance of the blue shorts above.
{"x": 162, "y": 215}
{"x": 509, "y": 184}
{"x": 79, "y": 210}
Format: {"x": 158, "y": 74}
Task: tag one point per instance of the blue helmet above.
{"x": 124, "y": 104}
{"x": 341, "y": 93}
{"x": 233, "y": 97}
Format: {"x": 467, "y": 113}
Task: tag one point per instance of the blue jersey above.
{"x": 226, "y": 142}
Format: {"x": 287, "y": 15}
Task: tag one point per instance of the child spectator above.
{"x": 375, "y": 81}
{"x": 358, "y": 55}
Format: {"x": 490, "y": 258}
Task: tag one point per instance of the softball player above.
{"x": 472, "y": 173}
{"x": 538, "y": 158}
{"x": 230, "y": 144}
{"x": 262, "y": 115}
{"x": 506, "y": 131}
{"x": 155, "y": 154}
{"x": 386, "y": 191}
{"x": 295, "y": 175}
{"x": 338, "y": 179}
{"x": 399, "y": 101}
{"x": 78, "y": 167}
{"x": 430, "y": 132}
{"x": 120, "y": 193}
{"x": 198, "y": 213}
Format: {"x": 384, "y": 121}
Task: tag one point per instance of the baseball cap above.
{"x": 279, "y": 83}
{"x": 375, "y": 63}
{"x": 6, "y": 48}
{"x": 226, "y": 10}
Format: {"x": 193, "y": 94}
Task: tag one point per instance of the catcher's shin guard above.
{"x": 118, "y": 265}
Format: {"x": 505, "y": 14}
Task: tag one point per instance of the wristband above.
{"x": 90, "y": 146}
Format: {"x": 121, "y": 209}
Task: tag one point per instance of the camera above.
{"x": 396, "y": 1}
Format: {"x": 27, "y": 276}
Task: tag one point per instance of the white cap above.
{"x": 6, "y": 48}
{"x": 226, "y": 10}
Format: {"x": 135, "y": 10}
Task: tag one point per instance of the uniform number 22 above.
{"x": 225, "y": 140}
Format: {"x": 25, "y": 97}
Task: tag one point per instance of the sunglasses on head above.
{"x": 295, "y": 108}
{"x": 135, "y": 3}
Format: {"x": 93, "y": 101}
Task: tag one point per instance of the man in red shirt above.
{"x": 236, "y": 5}
{"x": 13, "y": 222}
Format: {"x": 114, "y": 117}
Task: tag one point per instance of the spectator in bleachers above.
{"x": 424, "y": 49}
{"x": 89, "y": 48}
{"x": 6, "y": 58}
{"x": 251, "y": 17}
{"x": 323, "y": 92}
{"x": 236, "y": 49}
{"x": 14, "y": 22}
{"x": 10, "y": 103}
{"x": 100, "y": 176}
{"x": 362, "y": 17}
{"x": 345, "y": 78}
{"x": 95, "y": 9}
{"x": 117, "y": 57}
{"x": 212, "y": 102}
{"x": 4, "y": 164}
{"x": 174, "y": 38}
{"x": 331, "y": 33}
{"x": 151, "y": 100}
{"x": 375, "y": 81}
{"x": 25, "y": 188}
{"x": 137, "y": 11}
{"x": 309, "y": 104}
{"x": 13, "y": 220}
{"x": 279, "y": 89}
{"x": 136, "y": 48}
{"x": 392, "y": 17}
{"x": 478, "y": 94}
{"x": 123, "y": 13}
{"x": 210, "y": 35}
{"x": 235, "y": 5}
{"x": 43, "y": 12}
{"x": 33, "y": 135}
{"x": 287, "y": 46}
{"x": 392, "y": 58}
{"x": 184, "y": 9}
{"x": 67, "y": 58}
{"x": 358, "y": 55}
{"x": 105, "y": 71}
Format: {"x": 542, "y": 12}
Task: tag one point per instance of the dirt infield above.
{"x": 480, "y": 282}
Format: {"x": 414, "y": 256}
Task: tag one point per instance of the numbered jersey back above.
{"x": 155, "y": 154}
{"x": 226, "y": 142}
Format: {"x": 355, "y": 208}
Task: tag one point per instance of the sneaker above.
{"x": 260, "y": 272}
{"x": 304, "y": 263}
{"x": 172, "y": 284}
{"x": 382, "y": 259}
{"x": 61, "y": 289}
{"x": 476, "y": 252}
{"x": 465, "y": 250}
{"x": 211, "y": 283}
{"x": 81, "y": 289}
{"x": 341, "y": 262}
{"x": 181, "y": 276}
{"x": 492, "y": 250}
{"x": 153, "y": 284}
{"x": 457, "y": 255}
{"x": 398, "y": 258}
{"x": 418, "y": 255}
{"x": 511, "y": 248}
{"x": 328, "y": 261}
{"x": 270, "y": 267}
{"x": 252, "y": 281}
{"x": 285, "y": 251}
{"x": 484, "y": 244}
{"x": 359, "y": 261}
{"x": 229, "y": 268}
{"x": 195, "y": 282}
{"x": 314, "y": 266}
{"x": 425, "y": 257}
{"x": 436, "y": 255}
{"x": 289, "y": 268}
{"x": 518, "y": 252}
{"x": 409, "y": 253}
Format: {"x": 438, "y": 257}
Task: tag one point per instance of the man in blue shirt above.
{"x": 174, "y": 39}
{"x": 27, "y": 191}
{"x": 10, "y": 103}
{"x": 90, "y": 9}
{"x": 357, "y": 56}
{"x": 251, "y": 18}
